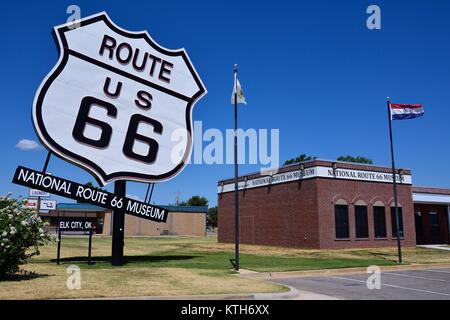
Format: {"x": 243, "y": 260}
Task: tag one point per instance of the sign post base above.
{"x": 58, "y": 253}
{"x": 90, "y": 247}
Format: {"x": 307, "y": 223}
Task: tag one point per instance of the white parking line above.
{"x": 416, "y": 277}
{"x": 398, "y": 287}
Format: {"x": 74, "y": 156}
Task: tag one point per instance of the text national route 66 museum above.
{"x": 332, "y": 204}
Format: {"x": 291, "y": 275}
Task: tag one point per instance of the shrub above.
{"x": 21, "y": 234}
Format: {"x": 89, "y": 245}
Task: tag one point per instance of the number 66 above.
{"x": 83, "y": 118}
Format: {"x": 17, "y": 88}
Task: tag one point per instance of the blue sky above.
{"x": 310, "y": 69}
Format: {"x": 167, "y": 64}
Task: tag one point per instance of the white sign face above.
{"x": 31, "y": 203}
{"x": 117, "y": 103}
{"x": 38, "y": 193}
{"x": 48, "y": 205}
{"x": 318, "y": 172}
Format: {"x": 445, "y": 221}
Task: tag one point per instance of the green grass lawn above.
{"x": 207, "y": 254}
{"x": 172, "y": 266}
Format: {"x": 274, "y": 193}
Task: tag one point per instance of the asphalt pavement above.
{"x": 429, "y": 284}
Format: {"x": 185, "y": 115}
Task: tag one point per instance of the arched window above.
{"x": 394, "y": 221}
{"x": 361, "y": 220}
{"x": 341, "y": 219}
{"x": 379, "y": 220}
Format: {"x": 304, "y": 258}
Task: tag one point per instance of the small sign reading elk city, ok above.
{"x": 76, "y": 224}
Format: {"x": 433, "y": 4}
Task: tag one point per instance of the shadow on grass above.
{"x": 127, "y": 259}
{"x": 23, "y": 276}
{"x": 383, "y": 256}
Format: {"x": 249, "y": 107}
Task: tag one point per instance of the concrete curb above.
{"x": 307, "y": 295}
{"x": 437, "y": 247}
{"x": 331, "y": 272}
{"x": 291, "y": 294}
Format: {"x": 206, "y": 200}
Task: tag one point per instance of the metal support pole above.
{"x": 46, "y": 162}
{"x": 151, "y": 193}
{"x": 118, "y": 226}
{"x": 394, "y": 179}
{"x": 90, "y": 247}
{"x": 58, "y": 253}
{"x": 236, "y": 191}
{"x": 146, "y": 194}
{"x": 43, "y": 170}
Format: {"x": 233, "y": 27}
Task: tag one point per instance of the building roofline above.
{"x": 190, "y": 209}
{"x": 430, "y": 190}
{"x": 75, "y": 206}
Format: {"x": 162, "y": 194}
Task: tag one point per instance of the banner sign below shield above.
{"x": 117, "y": 103}
{"x": 69, "y": 189}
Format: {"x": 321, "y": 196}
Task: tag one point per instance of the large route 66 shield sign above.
{"x": 117, "y": 103}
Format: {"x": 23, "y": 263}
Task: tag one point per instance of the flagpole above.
{"x": 236, "y": 195}
{"x": 394, "y": 179}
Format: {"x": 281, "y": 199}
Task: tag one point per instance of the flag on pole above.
{"x": 399, "y": 112}
{"x": 239, "y": 91}
{"x": 405, "y": 111}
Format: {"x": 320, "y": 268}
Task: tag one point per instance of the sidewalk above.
{"x": 435, "y": 246}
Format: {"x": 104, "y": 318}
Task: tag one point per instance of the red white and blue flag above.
{"x": 406, "y": 111}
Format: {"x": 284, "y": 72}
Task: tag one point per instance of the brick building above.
{"x": 181, "y": 221}
{"x": 331, "y": 204}
{"x": 432, "y": 215}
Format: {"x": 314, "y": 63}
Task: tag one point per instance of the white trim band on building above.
{"x": 317, "y": 172}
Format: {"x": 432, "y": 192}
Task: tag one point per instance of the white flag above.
{"x": 240, "y": 92}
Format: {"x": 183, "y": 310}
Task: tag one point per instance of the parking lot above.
{"x": 430, "y": 284}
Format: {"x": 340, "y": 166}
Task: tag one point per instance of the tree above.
{"x": 5, "y": 202}
{"x": 22, "y": 232}
{"x": 301, "y": 158}
{"x": 89, "y": 184}
{"x": 357, "y": 159}
{"x": 211, "y": 217}
{"x": 195, "y": 201}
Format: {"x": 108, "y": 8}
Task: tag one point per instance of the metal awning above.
{"x": 431, "y": 198}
